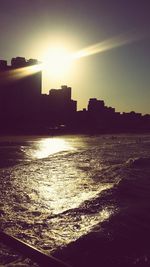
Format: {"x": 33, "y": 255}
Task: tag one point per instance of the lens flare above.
{"x": 20, "y": 72}
{"x": 108, "y": 44}
{"x": 57, "y": 61}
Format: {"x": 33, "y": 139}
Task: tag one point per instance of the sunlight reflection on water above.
{"x": 65, "y": 195}
{"x": 62, "y": 184}
{"x": 54, "y": 193}
{"x": 66, "y": 229}
{"x": 45, "y": 147}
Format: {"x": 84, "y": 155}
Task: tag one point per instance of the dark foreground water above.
{"x": 84, "y": 199}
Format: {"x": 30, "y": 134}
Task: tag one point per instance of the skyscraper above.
{"x": 20, "y": 89}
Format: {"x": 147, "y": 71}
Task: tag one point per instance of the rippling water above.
{"x": 56, "y": 191}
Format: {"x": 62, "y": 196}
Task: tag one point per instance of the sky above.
{"x": 112, "y": 37}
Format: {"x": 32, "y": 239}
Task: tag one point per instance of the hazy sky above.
{"x": 119, "y": 76}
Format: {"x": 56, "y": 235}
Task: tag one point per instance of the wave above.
{"x": 138, "y": 162}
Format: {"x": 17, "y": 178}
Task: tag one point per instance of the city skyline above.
{"x": 24, "y": 109}
{"x": 118, "y": 74}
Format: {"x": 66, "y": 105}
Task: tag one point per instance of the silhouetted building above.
{"x": 20, "y": 91}
{"x": 61, "y": 95}
{"x": 95, "y": 105}
{"x": 23, "y": 107}
{"x": 3, "y": 65}
{"x": 21, "y": 77}
{"x": 58, "y": 106}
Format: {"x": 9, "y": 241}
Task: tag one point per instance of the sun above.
{"x": 57, "y": 61}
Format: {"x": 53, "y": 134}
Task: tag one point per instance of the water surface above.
{"x": 56, "y": 190}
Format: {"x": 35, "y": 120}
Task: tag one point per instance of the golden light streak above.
{"x": 57, "y": 61}
{"x": 26, "y": 71}
{"x": 20, "y": 72}
{"x": 108, "y": 44}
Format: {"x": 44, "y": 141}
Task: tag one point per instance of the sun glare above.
{"x": 46, "y": 147}
{"x": 57, "y": 61}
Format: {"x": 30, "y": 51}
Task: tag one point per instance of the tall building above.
{"x": 20, "y": 89}
{"x": 58, "y": 107}
{"x": 22, "y": 103}
{"x": 61, "y": 95}
{"x": 95, "y": 105}
{"x": 60, "y": 99}
{"x": 20, "y": 77}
